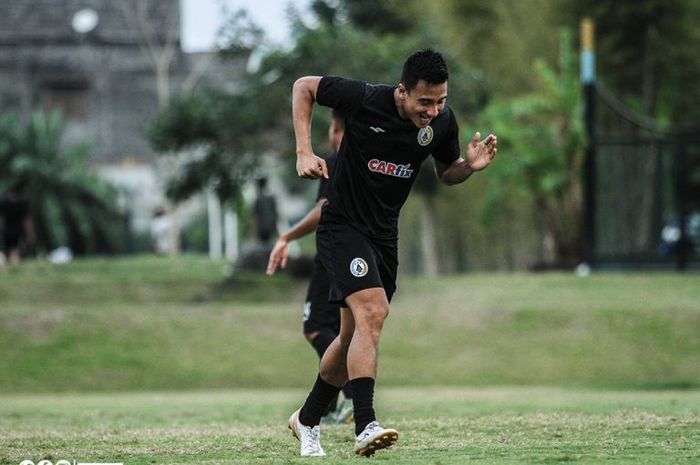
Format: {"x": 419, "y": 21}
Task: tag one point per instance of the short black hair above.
{"x": 428, "y": 65}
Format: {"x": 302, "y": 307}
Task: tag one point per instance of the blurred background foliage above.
{"x": 514, "y": 72}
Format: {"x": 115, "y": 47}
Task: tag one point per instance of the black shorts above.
{"x": 12, "y": 238}
{"x": 318, "y": 312}
{"x": 356, "y": 262}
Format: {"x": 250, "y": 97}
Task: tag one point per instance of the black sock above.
{"x": 332, "y": 405}
{"x": 317, "y": 402}
{"x": 363, "y": 401}
{"x": 323, "y": 339}
{"x": 347, "y": 391}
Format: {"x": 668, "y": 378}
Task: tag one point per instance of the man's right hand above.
{"x": 278, "y": 256}
{"x": 311, "y": 167}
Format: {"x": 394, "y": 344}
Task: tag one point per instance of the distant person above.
{"x": 18, "y": 228}
{"x": 321, "y": 319}
{"x": 161, "y": 232}
{"x": 264, "y": 213}
{"x": 389, "y": 132}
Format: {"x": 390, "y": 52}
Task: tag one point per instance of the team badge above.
{"x": 425, "y": 136}
{"x": 358, "y": 267}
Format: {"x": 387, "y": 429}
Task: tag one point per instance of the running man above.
{"x": 321, "y": 318}
{"x": 389, "y": 132}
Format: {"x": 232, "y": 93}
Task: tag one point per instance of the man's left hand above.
{"x": 481, "y": 153}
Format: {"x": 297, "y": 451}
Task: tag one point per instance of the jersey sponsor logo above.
{"x": 358, "y": 267}
{"x": 377, "y": 129}
{"x": 390, "y": 169}
{"x": 425, "y": 136}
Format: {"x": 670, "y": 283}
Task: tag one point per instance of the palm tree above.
{"x": 69, "y": 205}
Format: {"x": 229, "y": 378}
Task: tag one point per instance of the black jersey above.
{"x": 380, "y": 155}
{"x": 323, "y": 185}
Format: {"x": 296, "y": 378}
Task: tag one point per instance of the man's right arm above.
{"x": 280, "y": 251}
{"x": 303, "y": 98}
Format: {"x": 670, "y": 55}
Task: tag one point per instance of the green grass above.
{"x": 437, "y": 426}
{"x": 148, "y": 323}
{"x": 156, "y": 361}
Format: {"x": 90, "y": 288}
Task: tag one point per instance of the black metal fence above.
{"x": 644, "y": 191}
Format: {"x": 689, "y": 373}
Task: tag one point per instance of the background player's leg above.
{"x": 321, "y": 340}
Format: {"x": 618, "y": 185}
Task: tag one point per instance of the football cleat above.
{"x": 309, "y": 438}
{"x": 373, "y": 438}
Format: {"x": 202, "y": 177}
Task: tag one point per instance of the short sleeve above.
{"x": 345, "y": 95}
{"x": 448, "y": 150}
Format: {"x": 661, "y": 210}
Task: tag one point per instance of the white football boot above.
{"x": 373, "y": 438}
{"x": 309, "y": 438}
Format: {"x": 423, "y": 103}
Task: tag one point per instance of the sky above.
{"x": 201, "y": 19}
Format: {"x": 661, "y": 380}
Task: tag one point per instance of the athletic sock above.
{"x": 317, "y": 402}
{"x": 347, "y": 391}
{"x": 323, "y": 339}
{"x": 332, "y": 405}
{"x": 363, "y": 402}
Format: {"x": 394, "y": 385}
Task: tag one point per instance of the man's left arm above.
{"x": 479, "y": 156}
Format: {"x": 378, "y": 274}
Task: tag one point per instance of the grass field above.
{"x": 147, "y": 323}
{"x": 151, "y": 361}
{"x": 438, "y": 426}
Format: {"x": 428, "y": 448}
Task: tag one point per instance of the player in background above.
{"x": 321, "y": 322}
{"x": 389, "y": 132}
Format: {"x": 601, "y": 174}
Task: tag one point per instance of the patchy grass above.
{"x": 437, "y": 425}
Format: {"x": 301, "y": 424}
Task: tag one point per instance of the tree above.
{"x": 543, "y": 132}
{"x": 646, "y": 52}
{"x": 223, "y": 128}
{"x": 68, "y": 204}
{"x": 501, "y": 38}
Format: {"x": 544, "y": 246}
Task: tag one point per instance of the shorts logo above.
{"x": 425, "y": 136}
{"x": 358, "y": 267}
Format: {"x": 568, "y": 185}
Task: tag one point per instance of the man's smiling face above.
{"x": 422, "y": 103}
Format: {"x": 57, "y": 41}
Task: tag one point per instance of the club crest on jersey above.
{"x": 358, "y": 267}
{"x": 390, "y": 169}
{"x": 425, "y": 136}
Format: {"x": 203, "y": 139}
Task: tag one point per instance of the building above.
{"x": 108, "y": 66}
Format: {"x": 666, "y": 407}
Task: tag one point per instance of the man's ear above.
{"x": 402, "y": 90}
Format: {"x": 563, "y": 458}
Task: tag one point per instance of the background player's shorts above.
{"x": 318, "y": 312}
{"x": 355, "y": 262}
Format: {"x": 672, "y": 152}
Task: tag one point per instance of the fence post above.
{"x": 683, "y": 245}
{"x": 589, "y": 167}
